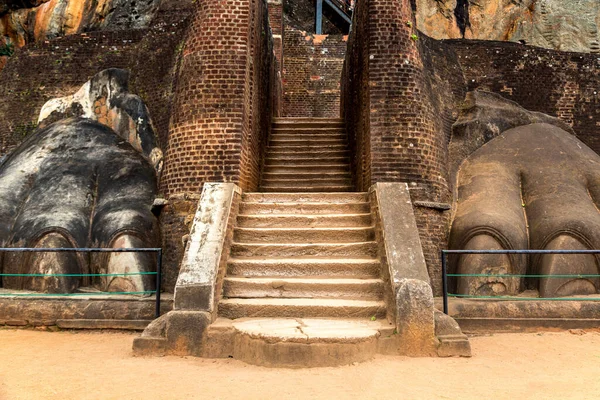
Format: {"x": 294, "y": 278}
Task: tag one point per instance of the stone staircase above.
{"x": 307, "y": 155}
{"x": 297, "y": 280}
{"x": 303, "y": 266}
{"x": 303, "y": 255}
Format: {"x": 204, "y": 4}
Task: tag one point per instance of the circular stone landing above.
{"x": 303, "y": 342}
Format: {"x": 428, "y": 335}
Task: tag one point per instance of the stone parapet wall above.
{"x": 311, "y": 74}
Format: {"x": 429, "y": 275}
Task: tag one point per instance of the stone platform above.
{"x": 479, "y": 316}
{"x": 81, "y": 311}
{"x": 297, "y": 342}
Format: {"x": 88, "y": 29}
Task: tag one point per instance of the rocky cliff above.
{"x": 557, "y": 24}
{"x": 23, "y": 21}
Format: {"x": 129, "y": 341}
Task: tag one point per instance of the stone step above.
{"x": 308, "y": 123}
{"x": 304, "y": 208}
{"x": 308, "y": 136}
{"x": 303, "y": 153}
{"x": 301, "y": 308}
{"x": 303, "y": 235}
{"x": 300, "y": 161}
{"x": 313, "y": 149}
{"x": 303, "y": 221}
{"x": 307, "y": 189}
{"x": 306, "y": 175}
{"x": 302, "y": 266}
{"x": 322, "y": 198}
{"x": 311, "y": 288}
{"x": 302, "y": 182}
{"x": 307, "y": 183}
{"x": 320, "y": 142}
{"x": 286, "y": 250}
{"x": 297, "y": 343}
{"x": 293, "y": 130}
{"x": 307, "y": 168}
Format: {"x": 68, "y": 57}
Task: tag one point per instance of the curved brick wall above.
{"x": 222, "y": 107}
{"x": 403, "y": 131}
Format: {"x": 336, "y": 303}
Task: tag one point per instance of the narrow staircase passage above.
{"x": 307, "y": 155}
{"x": 304, "y": 247}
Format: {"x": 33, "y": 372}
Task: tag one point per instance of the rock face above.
{"x": 24, "y": 21}
{"x": 79, "y": 183}
{"x": 563, "y": 25}
{"x": 532, "y": 185}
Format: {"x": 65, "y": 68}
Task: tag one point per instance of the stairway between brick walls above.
{"x": 303, "y": 284}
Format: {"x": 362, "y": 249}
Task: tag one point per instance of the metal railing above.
{"x": 158, "y": 273}
{"x": 344, "y": 5}
{"x": 445, "y": 274}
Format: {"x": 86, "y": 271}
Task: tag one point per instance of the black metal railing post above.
{"x": 445, "y": 282}
{"x": 158, "y": 282}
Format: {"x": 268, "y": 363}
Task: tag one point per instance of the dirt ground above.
{"x": 76, "y": 365}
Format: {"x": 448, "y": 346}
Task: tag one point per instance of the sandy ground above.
{"x": 72, "y": 365}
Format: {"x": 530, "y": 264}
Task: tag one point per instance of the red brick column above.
{"x": 206, "y": 124}
{"x": 407, "y": 143}
{"x": 276, "y": 21}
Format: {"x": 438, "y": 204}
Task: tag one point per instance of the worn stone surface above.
{"x": 535, "y": 315}
{"x": 415, "y": 318}
{"x": 555, "y": 24}
{"x": 106, "y": 189}
{"x": 207, "y": 248}
{"x": 185, "y": 331}
{"x": 400, "y": 236}
{"x": 485, "y": 115}
{"x": 177, "y": 332}
{"x": 105, "y": 98}
{"x": 305, "y": 343}
{"x": 534, "y": 186}
{"x": 452, "y": 341}
{"x": 36, "y": 310}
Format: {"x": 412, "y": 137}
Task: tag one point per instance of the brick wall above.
{"x": 355, "y": 97}
{"x": 213, "y": 119}
{"x": 261, "y": 76}
{"x": 276, "y": 22}
{"x": 399, "y": 115}
{"x": 561, "y": 84}
{"x": 405, "y": 144}
{"x": 311, "y": 74}
{"x": 227, "y": 90}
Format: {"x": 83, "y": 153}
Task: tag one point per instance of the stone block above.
{"x": 415, "y": 318}
{"x": 185, "y": 331}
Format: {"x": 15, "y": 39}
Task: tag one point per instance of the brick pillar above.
{"x": 206, "y": 125}
{"x": 394, "y": 131}
{"x": 276, "y": 21}
{"x": 407, "y": 143}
